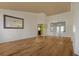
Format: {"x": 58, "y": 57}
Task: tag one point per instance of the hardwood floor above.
{"x": 39, "y": 46}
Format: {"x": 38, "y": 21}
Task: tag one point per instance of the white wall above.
{"x": 31, "y": 20}
{"x": 41, "y": 19}
{"x": 60, "y": 18}
{"x": 30, "y": 25}
{"x": 75, "y": 15}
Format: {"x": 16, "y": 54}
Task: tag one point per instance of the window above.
{"x": 58, "y": 27}
{"x": 62, "y": 28}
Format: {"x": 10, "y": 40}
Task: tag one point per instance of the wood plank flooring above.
{"x": 39, "y": 46}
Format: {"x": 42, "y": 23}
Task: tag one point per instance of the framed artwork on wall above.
{"x": 11, "y": 22}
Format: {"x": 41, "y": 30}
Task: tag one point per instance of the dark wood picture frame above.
{"x": 13, "y": 18}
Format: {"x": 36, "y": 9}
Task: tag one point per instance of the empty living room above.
{"x": 39, "y": 28}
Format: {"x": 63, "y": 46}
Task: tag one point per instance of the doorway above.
{"x": 40, "y": 29}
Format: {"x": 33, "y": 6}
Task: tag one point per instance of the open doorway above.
{"x": 40, "y": 29}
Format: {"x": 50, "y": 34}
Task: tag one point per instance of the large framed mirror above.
{"x": 11, "y": 22}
